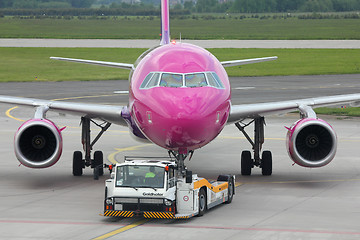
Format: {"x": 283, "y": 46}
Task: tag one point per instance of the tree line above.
{"x": 44, "y": 13}
{"x": 200, "y": 6}
{"x": 32, "y": 4}
{"x": 262, "y": 6}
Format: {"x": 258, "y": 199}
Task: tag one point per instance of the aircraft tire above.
{"x": 98, "y": 162}
{"x": 246, "y": 163}
{"x": 266, "y": 163}
{"x": 77, "y": 163}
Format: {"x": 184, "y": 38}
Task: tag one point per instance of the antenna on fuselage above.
{"x": 165, "y": 26}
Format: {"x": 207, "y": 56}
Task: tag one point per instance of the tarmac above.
{"x": 293, "y": 203}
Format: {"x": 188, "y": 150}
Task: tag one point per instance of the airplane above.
{"x": 180, "y": 100}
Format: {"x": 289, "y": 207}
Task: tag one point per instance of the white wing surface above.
{"x": 107, "y": 113}
{"x": 100, "y": 63}
{"x": 254, "y": 110}
{"x": 247, "y": 61}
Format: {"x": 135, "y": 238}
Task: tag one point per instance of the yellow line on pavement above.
{"x": 123, "y": 229}
{"x": 111, "y": 157}
{"x": 10, "y": 116}
{"x": 58, "y": 99}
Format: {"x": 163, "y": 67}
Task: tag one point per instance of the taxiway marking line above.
{"x": 122, "y": 229}
{"x": 183, "y": 226}
{"x": 238, "y": 184}
{"x": 8, "y": 112}
{"x": 10, "y": 116}
{"x": 111, "y": 157}
{"x": 243, "y": 88}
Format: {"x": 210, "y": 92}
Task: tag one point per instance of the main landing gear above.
{"x": 247, "y": 162}
{"x": 79, "y": 163}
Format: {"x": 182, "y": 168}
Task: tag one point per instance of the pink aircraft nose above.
{"x": 186, "y": 119}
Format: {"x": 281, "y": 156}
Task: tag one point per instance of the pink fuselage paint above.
{"x": 179, "y": 119}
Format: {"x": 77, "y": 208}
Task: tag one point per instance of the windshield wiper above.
{"x": 131, "y": 187}
{"x": 148, "y": 187}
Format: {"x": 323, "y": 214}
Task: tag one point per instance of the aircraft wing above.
{"x": 131, "y": 66}
{"x": 247, "y": 61}
{"x": 107, "y": 113}
{"x": 100, "y": 63}
{"x": 239, "y": 112}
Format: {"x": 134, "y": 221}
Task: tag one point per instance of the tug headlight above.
{"x": 167, "y": 202}
{"x": 109, "y": 201}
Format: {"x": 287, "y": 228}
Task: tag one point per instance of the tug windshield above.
{"x": 140, "y": 176}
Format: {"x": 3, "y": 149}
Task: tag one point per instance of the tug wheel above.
{"x": 202, "y": 202}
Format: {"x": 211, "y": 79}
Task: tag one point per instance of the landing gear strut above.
{"x": 180, "y": 158}
{"x": 96, "y": 163}
{"x": 247, "y": 162}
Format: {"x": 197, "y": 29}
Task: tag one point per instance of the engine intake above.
{"x": 38, "y": 143}
{"x": 311, "y": 142}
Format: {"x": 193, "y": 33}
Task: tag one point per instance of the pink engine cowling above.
{"x": 38, "y": 143}
{"x": 311, "y": 142}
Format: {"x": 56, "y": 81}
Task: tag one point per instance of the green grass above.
{"x": 138, "y": 28}
{"x": 293, "y": 61}
{"x": 352, "y": 111}
{"x": 28, "y": 64}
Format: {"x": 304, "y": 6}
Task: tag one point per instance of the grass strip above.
{"x": 148, "y": 28}
{"x": 348, "y": 111}
{"x": 33, "y": 64}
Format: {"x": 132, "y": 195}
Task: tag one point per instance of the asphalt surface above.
{"x": 146, "y": 43}
{"x": 293, "y": 203}
{"x": 244, "y": 89}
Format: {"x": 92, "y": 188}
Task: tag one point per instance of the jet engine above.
{"x": 38, "y": 143}
{"x": 311, "y": 142}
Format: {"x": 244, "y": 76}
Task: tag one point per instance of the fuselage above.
{"x": 179, "y": 96}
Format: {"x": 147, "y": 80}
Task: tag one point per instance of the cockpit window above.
{"x": 171, "y": 80}
{"x": 153, "y": 81}
{"x": 146, "y": 80}
{"x": 218, "y": 81}
{"x": 214, "y": 80}
{"x": 195, "y": 80}
{"x": 150, "y": 81}
{"x": 176, "y": 80}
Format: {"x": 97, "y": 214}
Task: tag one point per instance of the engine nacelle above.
{"x": 38, "y": 143}
{"x": 311, "y": 142}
